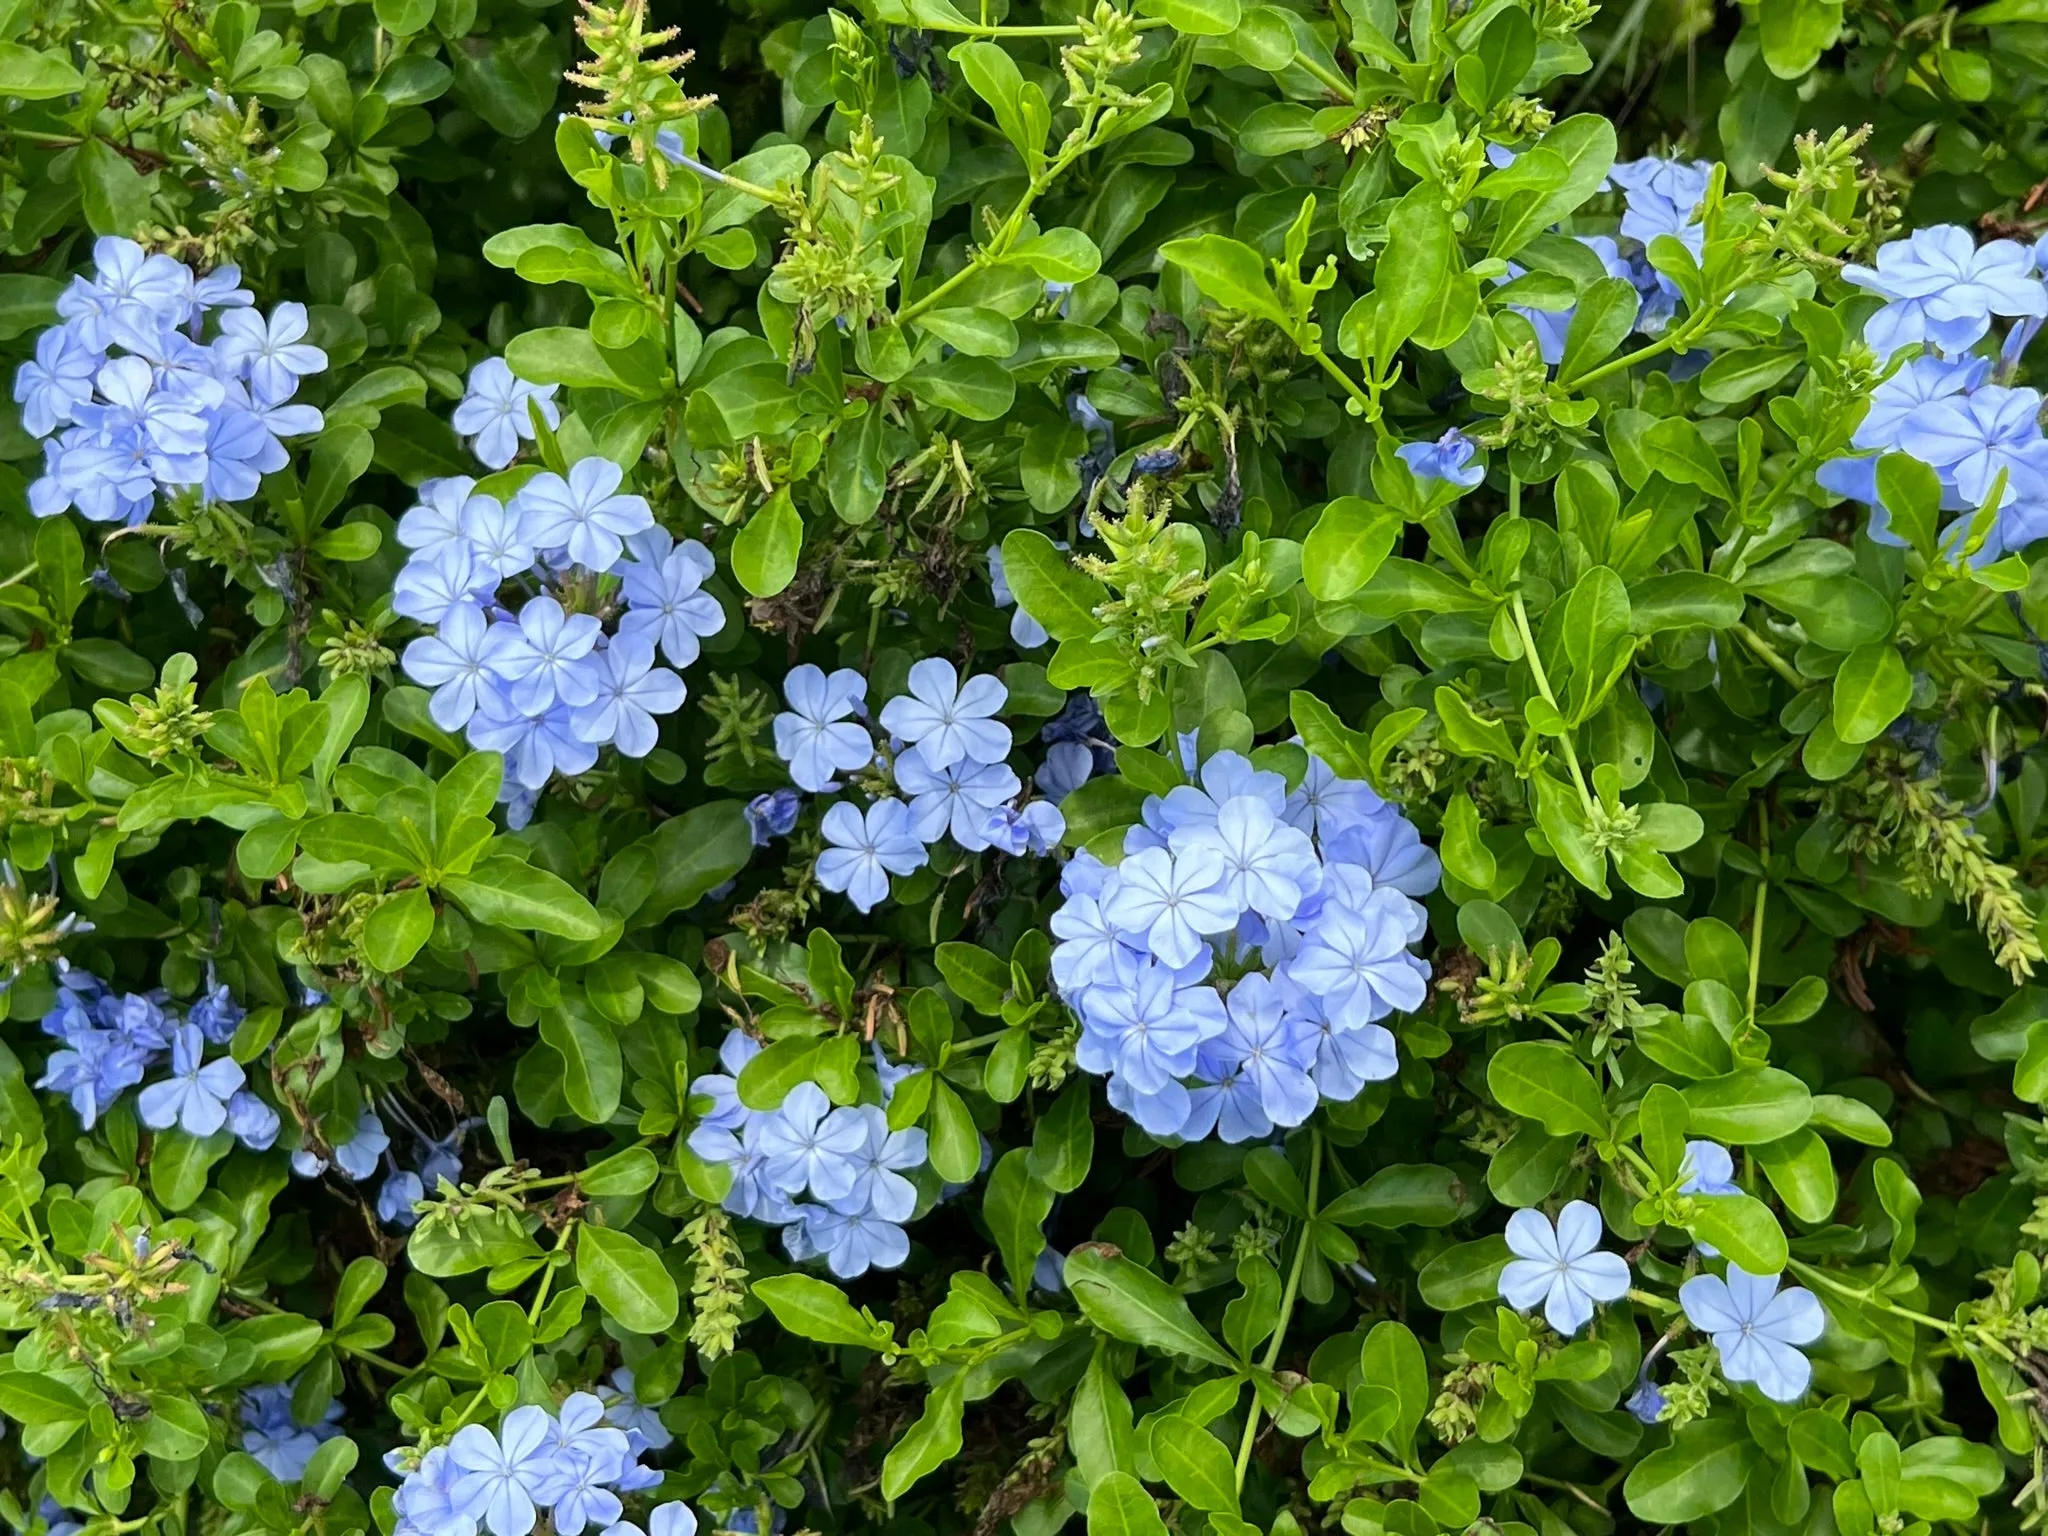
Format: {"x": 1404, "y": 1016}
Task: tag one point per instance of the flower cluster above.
{"x": 1946, "y": 407}
{"x": 1232, "y": 970}
{"x": 272, "y": 1433}
{"x": 574, "y": 1466}
{"x": 132, "y": 399}
{"x": 1757, "y": 1329}
{"x": 112, "y": 1040}
{"x": 947, "y": 755}
{"x": 852, "y": 1167}
{"x": 519, "y": 593}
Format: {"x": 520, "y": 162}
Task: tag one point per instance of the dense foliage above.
{"x": 1232, "y": 766}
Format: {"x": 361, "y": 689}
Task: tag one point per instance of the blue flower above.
{"x": 773, "y": 815}
{"x": 499, "y": 537}
{"x": 1035, "y": 828}
{"x": 1272, "y": 1048}
{"x": 852, "y": 1244}
{"x": 1357, "y": 961}
{"x": 429, "y": 588}
{"x": 143, "y": 289}
{"x": 584, "y": 514}
{"x": 879, "y": 1188}
{"x": 1756, "y": 1328}
{"x": 947, "y": 720}
{"x": 254, "y": 1123}
{"x": 537, "y": 744}
{"x": 396, "y": 1199}
{"x": 1663, "y": 197}
{"x": 357, "y": 1157}
{"x": 93, "y": 1071}
{"x": 1708, "y": 1170}
{"x": 630, "y": 691}
{"x": 665, "y": 599}
{"x": 1171, "y": 903}
{"x": 1389, "y": 849}
{"x": 1646, "y": 1404}
{"x": 270, "y": 1433}
{"x": 1347, "y": 1059}
{"x": 273, "y": 354}
{"x": 434, "y": 522}
{"x": 464, "y": 661}
{"x": 591, "y": 1454}
{"x": 1325, "y": 804}
{"x": 1944, "y": 288}
{"x": 627, "y": 1412}
{"x": 1068, "y": 765}
{"x": 195, "y": 1096}
{"x": 1453, "y": 457}
{"x": 495, "y": 410}
{"x": 501, "y": 1477}
{"x": 812, "y": 1146}
{"x": 1144, "y": 1026}
{"x": 816, "y": 736}
{"x": 1268, "y": 866}
{"x": 1563, "y": 1267}
{"x": 58, "y": 380}
{"x": 1975, "y": 438}
{"x": 959, "y": 797}
{"x": 865, "y": 852}
{"x": 546, "y": 660}
{"x": 426, "y": 1503}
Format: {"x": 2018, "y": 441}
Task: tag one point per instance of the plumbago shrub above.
{"x": 1232, "y": 768}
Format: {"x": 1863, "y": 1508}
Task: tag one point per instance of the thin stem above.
{"x": 1329, "y": 79}
{"x": 1768, "y": 655}
{"x": 1756, "y": 923}
{"x": 1868, "y": 1297}
{"x": 1368, "y": 404}
{"x": 1287, "y": 1297}
{"x": 1571, "y": 755}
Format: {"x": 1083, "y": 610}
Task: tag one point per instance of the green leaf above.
{"x": 34, "y": 74}
{"x": 955, "y": 1143}
{"x": 1742, "y": 1228}
{"x": 1063, "y": 1141}
{"x": 812, "y": 1308}
{"x": 1015, "y": 1205}
{"x": 764, "y": 554}
{"x": 1602, "y": 320}
{"x": 1229, "y": 272}
{"x": 1703, "y": 1470}
{"x": 981, "y": 980}
{"x": 1345, "y": 549}
{"x": 398, "y": 928}
{"x": 979, "y": 388}
{"x": 592, "y": 1074}
{"x": 1197, "y": 18}
{"x": 1543, "y": 1081}
{"x": 1748, "y": 1107}
{"x": 1872, "y": 690}
{"x": 506, "y": 890}
{"x": 1118, "y": 1505}
{"x": 1194, "y": 1464}
{"x": 1129, "y": 1302}
{"x": 626, "y": 1278}
{"x": 1401, "y": 1195}
{"x": 1047, "y": 586}
{"x": 931, "y": 1442}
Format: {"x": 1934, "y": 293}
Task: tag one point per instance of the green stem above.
{"x": 1768, "y": 655}
{"x": 1571, "y": 755}
{"x": 1287, "y": 1298}
{"x": 1868, "y": 1297}
{"x": 1672, "y": 340}
{"x": 1756, "y": 923}
{"x": 1368, "y": 405}
{"x": 1329, "y": 79}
